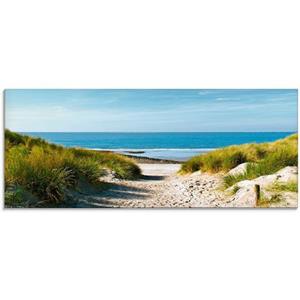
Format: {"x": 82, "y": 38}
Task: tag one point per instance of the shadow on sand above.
{"x": 153, "y": 177}
{"x": 110, "y": 195}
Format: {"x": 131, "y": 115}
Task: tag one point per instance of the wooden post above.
{"x": 257, "y": 193}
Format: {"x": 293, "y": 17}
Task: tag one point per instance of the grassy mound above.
{"x": 48, "y": 170}
{"x": 266, "y": 158}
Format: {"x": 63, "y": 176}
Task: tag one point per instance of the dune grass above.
{"x": 15, "y": 198}
{"x": 48, "y": 170}
{"x": 272, "y": 163}
{"x": 291, "y": 186}
{"x": 266, "y": 158}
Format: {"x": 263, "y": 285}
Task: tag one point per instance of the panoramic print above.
{"x": 151, "y": 148}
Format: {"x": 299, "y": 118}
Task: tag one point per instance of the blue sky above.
{"x": 151, "y": 110}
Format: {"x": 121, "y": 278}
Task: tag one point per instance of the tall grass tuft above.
{"x": 269, "y": 158}
{"x": 215, "y": 161}
{"x": 291, "y": 186}
{"x": 48, "y": 170}
{"x": 272, "y": 163}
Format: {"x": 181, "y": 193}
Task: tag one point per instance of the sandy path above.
{"x": 160, "y": 186}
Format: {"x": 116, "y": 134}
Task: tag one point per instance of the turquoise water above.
{"x": 164, "y": 145}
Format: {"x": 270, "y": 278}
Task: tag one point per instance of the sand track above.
{"x": 160, "y": 186}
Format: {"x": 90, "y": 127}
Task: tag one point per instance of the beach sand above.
{"x": 160, "y": 186}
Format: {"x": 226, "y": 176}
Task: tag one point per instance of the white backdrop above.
{"x": 149, "y": 254}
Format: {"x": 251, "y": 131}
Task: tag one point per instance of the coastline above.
{"x": 180, "y": 155}
{"x": 142, "y": 159}
{"x": 150, "y": 160}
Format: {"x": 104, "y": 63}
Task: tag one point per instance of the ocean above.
{"x": 162, "y": 145}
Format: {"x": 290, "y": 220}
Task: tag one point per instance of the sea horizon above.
{"x": 160, "y": 145}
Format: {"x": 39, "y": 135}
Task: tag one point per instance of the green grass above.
{"x": 272, "y": 163}
{"x": 48, "y": 170}
{"x": 235, "y": 189}
{"x": 291, "y": 186}
{"x": 266, "y": 159}
{"x": 15, "y": 198}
